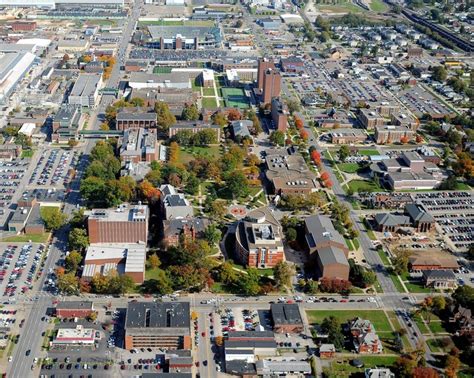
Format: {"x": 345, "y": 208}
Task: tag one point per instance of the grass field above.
{"x": 349, "y": 167}
{"x": 196, "y": 85}
{"x": 364, "y": 186}
{"x": 152, "y": 274}
{"x": 40, "y": 238}
{"x": 342, "y": 368}
{"x": 209, "y": 103}
{"x": 443, "y": 345}
{"x": 378, "y": 6}
{"x": 383, "y": 256}
{"x": 417, "y": 287}
{"x": 208, "y": 91}
{"x": 349, "y": 244}
{"x": 339, "y": 8}
{"x": 235, "y": 98}
{"x": 161, "y": 70}
{"x": 377, "y": 317}
{"x": 368, "y": 152}
{"x": 27, "y": 153}
{"x": 421, "y": 326}
{"x": 190, "y": 153}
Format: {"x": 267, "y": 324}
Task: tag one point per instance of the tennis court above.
{"x": 235, "y": 98}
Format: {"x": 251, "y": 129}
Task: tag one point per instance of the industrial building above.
{"x": 86, "y": 90}
{"x": 13, "y": 67}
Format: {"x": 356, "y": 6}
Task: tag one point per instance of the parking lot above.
{"x": 420, "y": 102}
{"x": 454, "y": 212}
{"x": 11, "y": 174}
{"x": 18, "y": 267}
{"x": 53, "y": 167}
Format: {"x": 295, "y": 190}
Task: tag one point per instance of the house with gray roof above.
{"x": 286, "y": 318}
{"x": 174, "y": 204}
{"x": 420, "y": 219}
{"x": 386, "y": 222}
{"x": 327, "y": 246}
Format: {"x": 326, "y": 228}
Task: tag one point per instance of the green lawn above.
{"x": 443, "y": 345}
{"x": 342, "y": 368}
{"x": 209, "y": 103}
{"x": 190, "y": 153}
{"x": 27, "y": 153}
{"x": 152, "y": 274}
{"x": 356, "y": 243}
{"x": 208, "y": 91}
{"x": 368, "y": 152}
{"x": 417, "y": 287}
{"x": 377, "y": 317}
{"x": 340, "y": 8}
{"x": 421, "y": 326}
{"x": 378, "y": 6}
{"x": 436, "y": 326}
{"x": 364, "y": 186}
{"x": 462, "y": 186}
{"x": 196, "y": 85}
{"x": 40, "y": 238}
{"x": 383, "y": 256}
{"x": 349, "y": 167}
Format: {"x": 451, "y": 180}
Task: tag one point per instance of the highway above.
{"x": 30, "y": 338}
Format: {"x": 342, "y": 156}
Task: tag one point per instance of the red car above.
{"x": 203, "y": 334}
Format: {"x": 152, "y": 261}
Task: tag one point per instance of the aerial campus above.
{"x": 254, "y": 188}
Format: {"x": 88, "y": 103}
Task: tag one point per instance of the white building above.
{"x": 27, "y": 129}
{"x": 86, "y": 90}
{"x": 78, "y": 335}
{"x": 13, "y": 67}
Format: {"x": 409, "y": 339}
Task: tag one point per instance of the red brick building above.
{"x": 271, "y": 85}
{"x": 259, "y": 240}
{"x": 286, "y": 318}
{"x": 74, "y": 309}
{"x": 125, "y": 224}
{"x": 23, "y": 26}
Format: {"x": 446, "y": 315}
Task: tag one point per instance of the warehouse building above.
{"x": 86, "y": 90}
{"x": 13, "y": 67}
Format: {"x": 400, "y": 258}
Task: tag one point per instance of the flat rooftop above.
{"x": 157, "y": 315}
{"x": 122, "y": 213}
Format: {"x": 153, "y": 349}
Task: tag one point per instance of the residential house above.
{"x": 439, "y": 279}
{"x": 174, "y": 204}
{"x": 364, "y": 338}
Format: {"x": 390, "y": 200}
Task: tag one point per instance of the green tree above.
{"x": 101, "y": 151}
{"x": 219, "y": 119}
{"x": 164, "y": 116}
{"x": 293, "y": 105}
{"x": 249, "y": 283}
{"x": 78, "y": 219}
{"x": 237, "y": 184}
{"x": 137, "y": 102}
{"x": 278, "y": 138}
{"x": 160, "y": 284}
{"x": 291, "y": 234}
{"x": 72, "y": 261}
{"x": 212, "y": 234}
{"x": 439, "y": 303}
{"x": 332, "y": 327}
{"x": 439, "y": 73}
{"x": 190, "y": 113}
{"x": 78, "y": 239}
{"x": 53, "y": 219}
{"x": 282, "y": 273}
{"x": 464, "y": 295}
{"x": 400, "y": 261}
{"x": 192, "y": 185}
{"x": 344, "y": 153}
{"x": 227, "y": 274}
{"x": 93, "y": 190}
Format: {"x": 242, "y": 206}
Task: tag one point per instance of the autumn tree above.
{"x": 419, "y": 138}
{"x": 304, "y": 135}
{"x": 299, "y": 123}
{"x": 173, "y": 153}
{"x": 282, "y": 273}
{"x": 424, "y": 372}
{"x": 404, "y": 139}
{"x": 234, "y": 115}
{"x": 452, "y": 365}
{"x": 154, "y": 261}
{"x": 148, "y": 191}
{"x": 324, "y": 176}
{"x": 219, "y": 119}
{"x": 72, "y": 261}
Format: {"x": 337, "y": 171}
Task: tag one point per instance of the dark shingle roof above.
{"x": 157, "y": 315}
{"x": 283, "y": 313}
